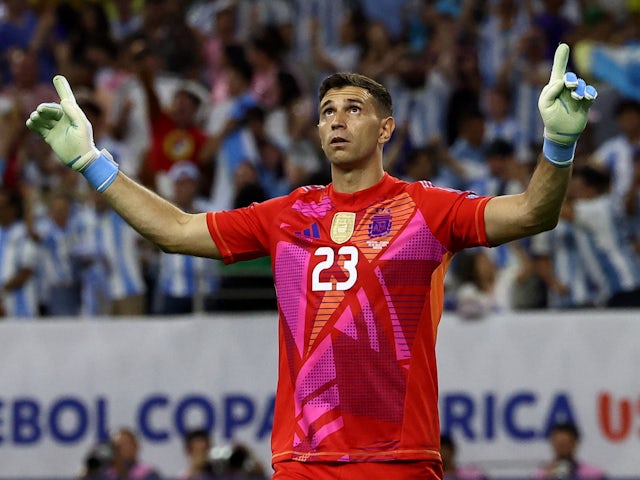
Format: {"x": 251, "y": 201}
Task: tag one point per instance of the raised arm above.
{"x": 564, "y": 106}
{"x": 66, "y": 129}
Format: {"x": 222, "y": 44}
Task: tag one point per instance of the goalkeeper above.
{"x": 358, "y": 267}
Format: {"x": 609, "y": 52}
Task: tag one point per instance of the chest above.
{"x": 336, "y": 250}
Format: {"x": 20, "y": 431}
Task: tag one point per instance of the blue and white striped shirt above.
{"x": 117, "y": 243}
{"x": 18, "y": 252}
{"x": 560, "y": 246}
{"x": 609, "y": 258}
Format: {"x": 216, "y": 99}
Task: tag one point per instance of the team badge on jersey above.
{"x": 380, "y": 225}
{"x": 342, "y": 226}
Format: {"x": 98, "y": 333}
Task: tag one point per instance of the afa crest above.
{"x": 380, "y": 225}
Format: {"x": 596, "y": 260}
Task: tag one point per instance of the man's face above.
{"x": 125, "y": 447}
{"x": 199, "y": 450}
{"x": 564, "y": 445}
{"x": 349, "y": 126}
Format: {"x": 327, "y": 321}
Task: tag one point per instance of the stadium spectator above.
{"x": 476, "y": 294}
{"x": 564, "y": 439}
{"x": 559, "y": 264}
{"x": 185, "y": 281}
{"x": 230, "y": 140}
{"x": 125, "y": 462}
{"x": 452, "y": 469}
{"x": 603, "y": 243}
{"x": 66, "y": 251}
{"x": 176, "y": 135}
{"x": 124, "y": 19}
{"x": 468, "y": 151}
{"x": 197, "y": 448}
{"x": 222, "y": 34}
{"x": 380, "y": 54}
{"x": 117, "y": 275}
{"x": 500, "y": 124}
{"x": 345, "y": 56}
{"x": 517, "y": 285}
{"x": 25, "y": 29}
{"x": 616, "y": 155}
{"x": 499, "y": 34}
{"x": 264, "y": 53}
{"x": 18, "y": 260}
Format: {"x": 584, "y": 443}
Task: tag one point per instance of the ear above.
{"x": 387, "y": 126}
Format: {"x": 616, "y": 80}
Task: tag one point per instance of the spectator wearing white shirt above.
{"x": 185, "y": 281}
{"x": 66, "y": 251}
{"x": 605, "y": 249}
{"x": 117, "y": 272}
{"x": 616, "y": 154}
{"x": 18, "y": 259}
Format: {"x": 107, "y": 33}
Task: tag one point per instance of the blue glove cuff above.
{"x": 557, "y": 154}
{"x": 101, "y": 172}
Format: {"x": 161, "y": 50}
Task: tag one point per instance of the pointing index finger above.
{"x": 63, "y": 88}
{"x": 560, "y": 60}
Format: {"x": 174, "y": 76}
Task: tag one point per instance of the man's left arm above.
{"x": 564, "y": 106}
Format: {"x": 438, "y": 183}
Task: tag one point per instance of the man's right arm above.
{"x": 66, "y": 129}
{"x": 159, "y": 221}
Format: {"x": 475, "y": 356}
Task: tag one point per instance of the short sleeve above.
{"x": 245, "y": 233}
{"x": 455, "y": 217}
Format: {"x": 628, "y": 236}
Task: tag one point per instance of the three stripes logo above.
{"x": 309, "y": 233}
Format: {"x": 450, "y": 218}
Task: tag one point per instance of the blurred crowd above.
{"x": 121, "y": 457}
{"x": 212, "y": 104}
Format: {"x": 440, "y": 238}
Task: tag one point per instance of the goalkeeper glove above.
{"x": 67, "y": 130}
{"x": 564, "y": 106}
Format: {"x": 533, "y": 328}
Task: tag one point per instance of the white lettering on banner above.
{"x": 503, "y": 381}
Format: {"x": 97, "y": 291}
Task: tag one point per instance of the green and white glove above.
{"x": 564, "y": 106}
{"x": 67, "y": 130}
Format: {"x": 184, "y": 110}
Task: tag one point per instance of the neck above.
{"x": 356, "y": 179}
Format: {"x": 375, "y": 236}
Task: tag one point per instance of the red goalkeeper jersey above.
{"x": 360, "y": 283}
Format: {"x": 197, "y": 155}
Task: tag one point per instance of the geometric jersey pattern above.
{"x": 357, "y": 379}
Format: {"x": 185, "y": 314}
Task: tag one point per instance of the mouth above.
{"x": 338, "y": 142}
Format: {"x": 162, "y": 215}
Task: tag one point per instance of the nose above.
{"x": 337, "y": 121}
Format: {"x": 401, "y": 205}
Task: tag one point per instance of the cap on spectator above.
{"x": 194, "y": 90}
{"x": 183, "y": 170}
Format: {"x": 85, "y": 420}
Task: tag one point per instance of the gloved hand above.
{"x": 67, "y": 130}
{"x": 564, "y": 106}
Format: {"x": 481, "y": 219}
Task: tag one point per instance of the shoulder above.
{"x": 427, "y": 188}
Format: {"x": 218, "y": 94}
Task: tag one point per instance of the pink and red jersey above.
{"x": 359, "y": 280}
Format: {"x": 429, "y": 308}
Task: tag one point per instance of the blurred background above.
{"x": 213, "y": 104}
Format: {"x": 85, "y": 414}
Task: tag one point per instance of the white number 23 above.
{"x": 350, "y": 262}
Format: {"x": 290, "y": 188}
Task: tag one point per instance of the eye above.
{"x": 354, "y": 109}
{"x": 327, "y": 112}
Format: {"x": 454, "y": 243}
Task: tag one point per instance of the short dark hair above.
{"x": 499, "y": 148}
{"x": 626, "y": 105}
{"x": 566, "y": 427}
{"x": 447, "y": 441}
{"x": 594, "y": 177}
{"x": 347, "y": 79}
{"x": 196, "y": 433}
